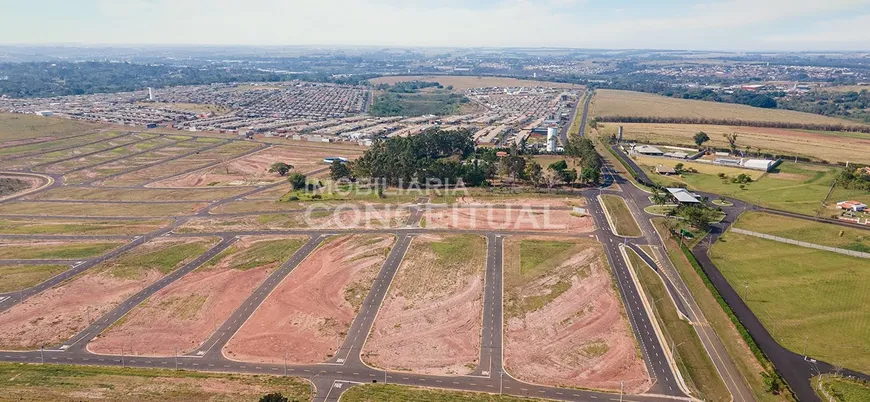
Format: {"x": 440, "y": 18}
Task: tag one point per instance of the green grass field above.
{"x": 23, "y": 126}
{"x": 55, "y": 227}
{"x": 797, "y": 188}
{"x": 842, "y": 389}
{"x": 25, "y": 382}
{"x": 395, "y": 393}
{"x": 257, "y": 254}
{"x": 62, "y": 251}
{"x": 691, "y": 357}
{"x": 802, "y": 230}
{"x": 746, "y": 363}
{"x": 804, "y": 297}
{"x": 17, "y": 277}
{"x": 620, "y": 216}
{"x": 163, "y": 257}
{"x": 72, "y": 208}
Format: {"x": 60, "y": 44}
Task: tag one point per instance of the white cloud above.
{"x": 851, "y": 33}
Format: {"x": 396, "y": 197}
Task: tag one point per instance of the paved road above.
{"x": 491, "y": 349}
{"x": 585, "y": 113}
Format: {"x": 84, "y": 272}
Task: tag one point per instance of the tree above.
{"x": 551, "y": 177}
{"x": 659, "y": 197}
{"x": 281, "y": 168}
{"x": 534, "y": 172}
{"x": 732, "y": 141}
{"x": 339, "y": 171}
{"x": 298, "y": 181}
{"x": 558, "y": 166}
{"x": 274, "y": 397}
{"x": 679, "y": 167}
{"x": 700, "y": 138}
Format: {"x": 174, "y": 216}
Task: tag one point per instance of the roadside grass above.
{"x": 163, "y": 257}
{"x": 18, "y": 277}
{"x": 799, "y": 188}
{"x": 137, "y": 194}
{"x": 258, "y": 254}
{"x": 73, "y": 209}
{"x": 808, "y": 231}
{"x": 25, "y": 382}
{"x": 396, "y": 393}
{"x": 45, "y": 227}
{"x": 746, "y": 362}
{"x": 841, "y": 389}
{"x": 65, "y": 251}
{"x": 691, "y": 357}
{"x": 621, "y": 216}
{"x": 530, "y": 260}
{"x": 806, "y": 298}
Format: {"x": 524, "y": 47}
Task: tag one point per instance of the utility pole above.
{"x": 285, "y": 364}
{"x": 122, "y": 358}
{"x": 176, "y": 358}
{"x": 385, "y": 376}
{"x": 42, "y": 354}
{"x": 806, "y": 343}
{"x": 500, "y": 382}
{"x": 621, "y": 389}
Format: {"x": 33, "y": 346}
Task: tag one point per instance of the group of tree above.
{"x": 583, "y": 151}
{"x": 733, "y": 122}
{"x": 850, "y": 105}
{"x": 281, "y": 168}
{"x": 433, "y": 156}
{"x": 854, "y": 179}
{"x": 11, "y": 186}
{"x": 408, "y": 87}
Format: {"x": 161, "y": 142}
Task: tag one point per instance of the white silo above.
{"x": 552, "y": 135}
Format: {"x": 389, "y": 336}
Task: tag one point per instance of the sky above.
{"x": 733, "y": 25}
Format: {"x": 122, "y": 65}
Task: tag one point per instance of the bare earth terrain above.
{"x": 564, "y": 323}
{"x": 253, "y": 169}
{"x": 307, "y": 315}
{"x": 185, "y": 313}
{"x": 57, "y": 314}
{"x": 518, "y": 218}
{"x": 430, "y": 322}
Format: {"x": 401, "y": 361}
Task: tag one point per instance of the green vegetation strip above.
{"x": 54, "y": 251}
{"x": 691, "y": 357}
{"x": 257, "y": 255}
{"x": 620, "y": 215}
{"x": 164, "y": 259}
{"x": 808, "y": 231}
{"x": 395, "y": 393}
{"x": 842, "y": 389}
{"x": 812, "y": 301}
{"x": 40, "y": 227}
{"x": 24, "y": 382}
{"x": 530, "y": 260}
{"x": 17, "y": 277}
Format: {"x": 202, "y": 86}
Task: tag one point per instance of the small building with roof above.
{"x": 683, "y": 196}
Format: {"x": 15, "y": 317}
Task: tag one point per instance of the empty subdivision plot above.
{"x": 181, "y": 316}
{"x": 430, "y": 322}
{"x": 221, "y": 155}
{"x": 79, "y": 227}
{"x": 509, "y": 218}
{"x": 73, "y": 152}
{"x": 564, "y": 322}
{"x": 307, "y": 316}
{"x": 252, "y": 169}
{"x": 17, "y": 277}
{"x": 307, "y": 219}
{"x": 100, "y": 172}
{"x": 99, "y": 209}
{"x": 53, "y": 249}
{"x": 51, "y": 146}
{"x": 104, "y": 156}
{"x": 57, "y": 314}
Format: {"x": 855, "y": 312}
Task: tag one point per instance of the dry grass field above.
{"x": 19, "y": 128}
{"x": 461, "y": 83}
{"x": 832, "y": 147}
{"x": 628, "y": 103}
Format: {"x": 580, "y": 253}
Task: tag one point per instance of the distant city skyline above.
{"x": 728, "y": 25}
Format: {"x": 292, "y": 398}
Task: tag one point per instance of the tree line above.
{"x": 732, "y": 122}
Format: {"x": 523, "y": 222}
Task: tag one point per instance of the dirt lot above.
{"x": 185, "y": 313}
{"x": 430, "y": 322}
{"x": 507, "y": 219}
{"x": 564, "y": 322}
{"x": 519, "y": 201}
{"x": 307, "y": 315}
{"x": 461, "y": 83}
{"x": 57, "y": 314}
{"x": 253, "y": 169}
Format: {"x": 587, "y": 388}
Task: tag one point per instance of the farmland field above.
{"x": 804, "y": 297}
{"x": 628, "y": 103}
{"x": 820, "y": 146}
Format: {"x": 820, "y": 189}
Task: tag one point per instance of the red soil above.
{"x": 185, "y": 313}
{"x": 252, "y": 169}
{"x": 430, "y": 322}
{"x": 579, "y": 339}
{"x": 518, "y": 219}
{"x": 307, "y": 315}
